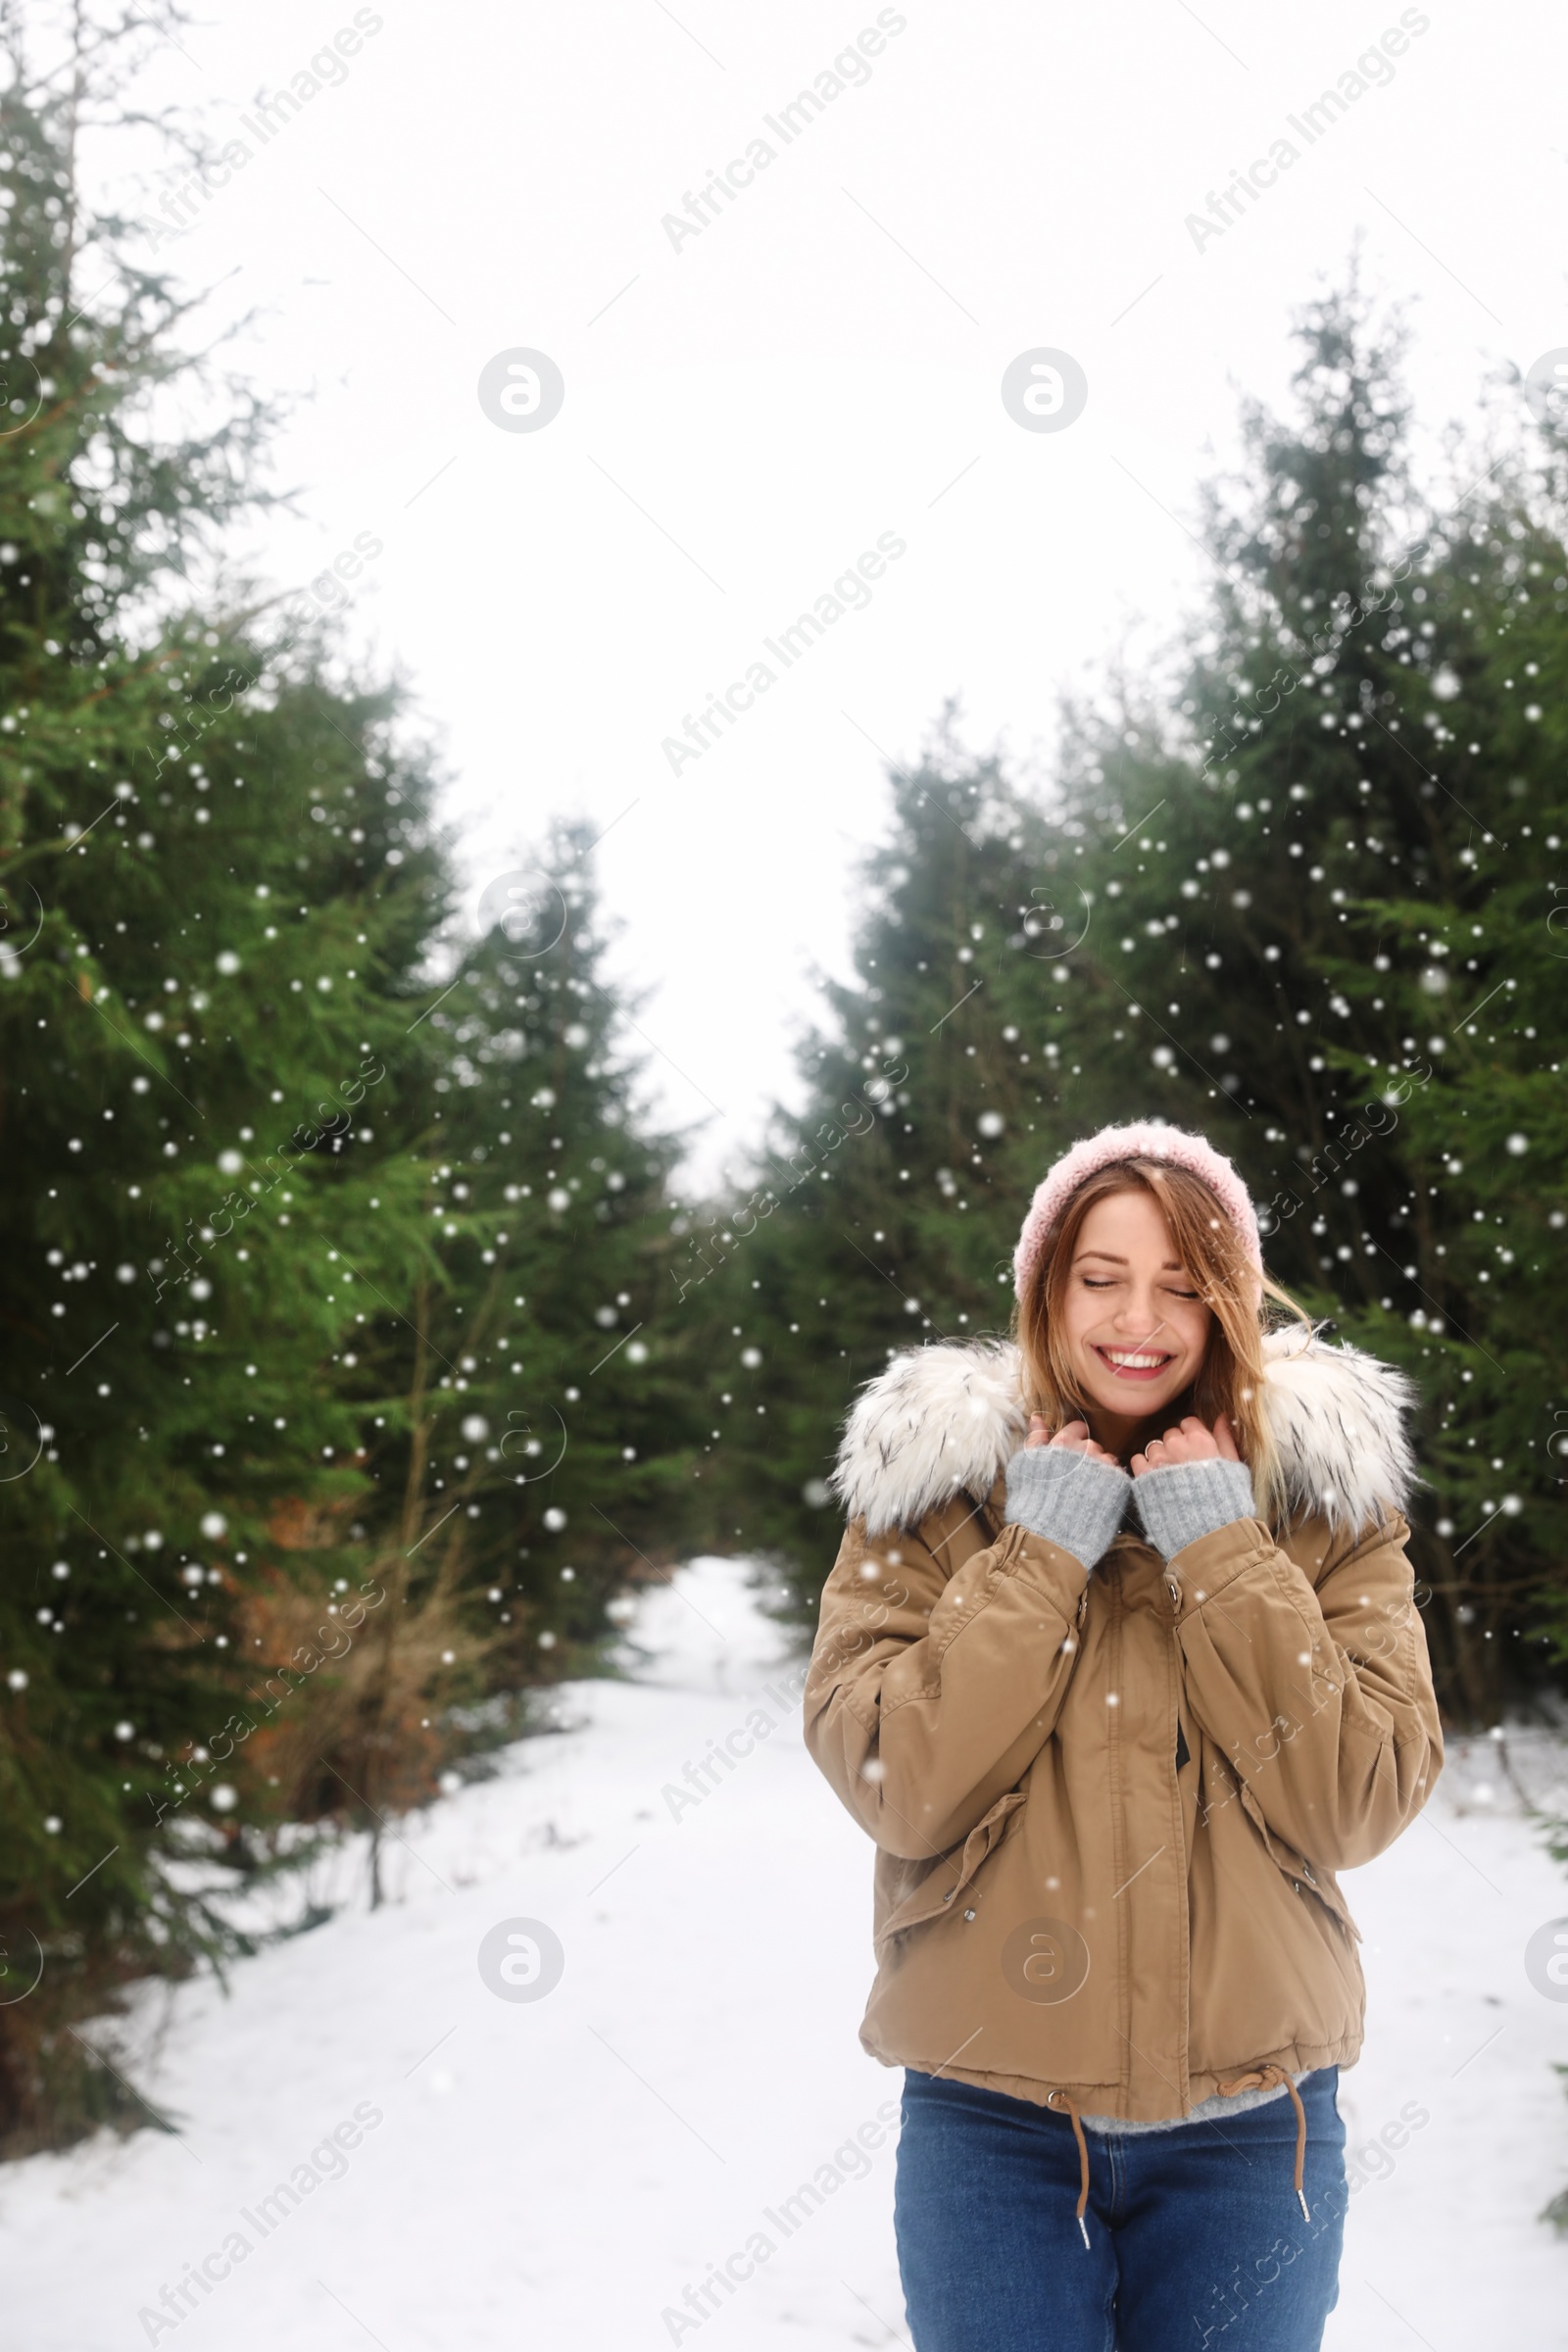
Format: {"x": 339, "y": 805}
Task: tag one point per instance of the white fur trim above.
{"x": 939, "y": 1422}
{"x": 944, "y": 1421}
{"x": 1337, "y": 1416}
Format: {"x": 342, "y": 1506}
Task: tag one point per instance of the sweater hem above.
{"x": 1108, "y": 2102}
{"x": 1211, "y": 2110}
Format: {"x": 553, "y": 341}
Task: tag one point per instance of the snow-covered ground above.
{"x": 556, "y": 2170}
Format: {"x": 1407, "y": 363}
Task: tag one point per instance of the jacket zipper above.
{"x": 1185, "y": 1843}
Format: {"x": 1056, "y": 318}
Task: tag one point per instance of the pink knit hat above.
{"x": 1144, "y": 1138}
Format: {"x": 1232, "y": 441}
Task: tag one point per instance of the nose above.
{"x": 1139, "y": 1319}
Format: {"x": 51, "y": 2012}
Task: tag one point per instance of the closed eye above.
{"x": 1106, "y": 1282}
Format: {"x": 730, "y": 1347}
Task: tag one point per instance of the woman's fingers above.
{"x": 1075, "y": 1437}
{"x": 1192, "y": 1441}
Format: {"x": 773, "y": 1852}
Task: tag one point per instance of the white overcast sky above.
{"x": 820, "y": 365}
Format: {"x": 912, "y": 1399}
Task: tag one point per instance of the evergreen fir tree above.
{"x": 1271, "y": 894}
{"x": 530, "y": 1454}
{"x": 1354, "y": 855}
{"x": 256, "y": 1179}
{"x": 208, "y": 922}
{"x": 884, "y": 1213}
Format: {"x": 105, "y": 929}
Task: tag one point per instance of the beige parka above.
{"x": 1108, "y": 1808}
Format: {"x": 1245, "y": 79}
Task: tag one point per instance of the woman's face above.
{"x": 1136, "y": 1330}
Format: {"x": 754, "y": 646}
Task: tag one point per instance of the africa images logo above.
{"x": 1373, "y": 70}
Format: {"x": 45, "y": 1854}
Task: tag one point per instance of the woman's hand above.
{"x": 1074, "y": 1437}
{"x": 1192, "y": 1441}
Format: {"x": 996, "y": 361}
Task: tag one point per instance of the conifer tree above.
{"x": 1269, "y": 893}
{"x": 210, "y": 913}
{"x": 1354, "y": 887}
{"x": 879, "y": 1218}
{"x": 528, "y": 1455}
{"x": 255, "y": 1179}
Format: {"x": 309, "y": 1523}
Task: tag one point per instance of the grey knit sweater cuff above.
{"x": 1187, "y": 1500}
{"x": 1068, "y": 1497}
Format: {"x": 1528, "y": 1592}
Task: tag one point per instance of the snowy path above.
{"x": 555, "y": 2173}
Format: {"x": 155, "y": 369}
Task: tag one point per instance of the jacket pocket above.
{"x": 1297, "y": 1868}
{"x": 952, "y": 1872}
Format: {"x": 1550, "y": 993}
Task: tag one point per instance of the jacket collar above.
{"x": 944, "y": 1420}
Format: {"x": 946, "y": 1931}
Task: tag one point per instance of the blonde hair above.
{"x": 1231, "y": 1378}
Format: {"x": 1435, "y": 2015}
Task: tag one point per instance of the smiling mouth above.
{"x": 1135, "y": 1363}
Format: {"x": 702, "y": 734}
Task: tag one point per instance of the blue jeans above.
{"x": 1195, "y": 2240}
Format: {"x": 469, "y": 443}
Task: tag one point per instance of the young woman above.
{"x": 1119, "y": 1664}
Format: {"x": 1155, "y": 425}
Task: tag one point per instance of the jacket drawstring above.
{"x": 1264, "y": 2077}
{"x": 1052, "y": 2099}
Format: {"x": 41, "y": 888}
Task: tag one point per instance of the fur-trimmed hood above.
{"x": 945, "y": 1420}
